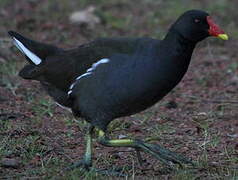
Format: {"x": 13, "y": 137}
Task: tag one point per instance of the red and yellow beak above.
{"x": 215, "y": 30}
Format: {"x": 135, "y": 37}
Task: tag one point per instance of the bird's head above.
{"x": 196, "y": 25}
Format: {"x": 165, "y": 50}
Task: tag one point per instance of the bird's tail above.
{"x": 34, "y": 51}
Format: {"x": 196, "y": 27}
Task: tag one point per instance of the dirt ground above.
{"x": 198, "y": 119}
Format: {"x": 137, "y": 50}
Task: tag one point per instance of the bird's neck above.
{"x": 178, "y": 52}
{"x": 179, "y": 45}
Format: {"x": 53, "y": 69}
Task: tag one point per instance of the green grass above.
{"x": 9, "y": 68}
{"x": 43, "y": 107}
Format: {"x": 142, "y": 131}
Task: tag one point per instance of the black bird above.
{"x": 114, "y": 77}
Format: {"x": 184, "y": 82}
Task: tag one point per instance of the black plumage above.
{"x": 115, "y": 77}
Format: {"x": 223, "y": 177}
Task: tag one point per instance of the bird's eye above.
{"x": 197, "y": 20}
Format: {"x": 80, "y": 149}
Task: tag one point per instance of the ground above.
{"x": 199, "y": 118}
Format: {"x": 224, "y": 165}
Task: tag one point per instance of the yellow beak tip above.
{"x": 223, "y": 36}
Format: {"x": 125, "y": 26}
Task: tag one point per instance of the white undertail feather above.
{"x": 34, "y": 58}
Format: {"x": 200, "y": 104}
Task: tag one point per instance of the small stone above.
{"x": 171, "y": 105}
{"x": 185, "y": 149}
{"x": 201, "y": 116}
{"x": 85, "y": 16}
{"x": 9, "y": 163}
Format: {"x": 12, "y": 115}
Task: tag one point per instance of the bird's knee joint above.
{"x": 102, "y": 140}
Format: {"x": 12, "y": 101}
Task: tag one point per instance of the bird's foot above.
{"x": 111, "y": 172}
{"x": 86, "y": 167}
{"x": 164, "y": 155}
{"x": 80, "y": 164}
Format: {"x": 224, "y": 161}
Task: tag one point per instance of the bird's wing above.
{"x": 88, "y": 54}
{"x": 107, "y": 57}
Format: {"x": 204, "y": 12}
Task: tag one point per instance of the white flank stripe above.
{"x": 85, "y": 74}
{"x": 88, "y": 72}
{"x": 72, "y": 85}
{"x": 35, "y": 59}
{"x": 104, "y": 60}
{"x": 69, "y": 92}
{"x": 90, "y": 69}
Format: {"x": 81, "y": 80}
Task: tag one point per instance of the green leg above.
{"x": 86, "y": 162}
{"x": 140, "y": 160}
{"x": 88, "y": 154}
{"x": 162, "y": 154}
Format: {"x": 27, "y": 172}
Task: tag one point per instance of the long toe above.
{"x": 164, "y": 155}
{"x": 86, "y": 168}
{"x": 110, "y": 172}
{"x": 80, "y": 164}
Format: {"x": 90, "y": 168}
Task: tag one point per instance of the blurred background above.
{"x": 199, "y": 118}
{"x": 50, "y": 20}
